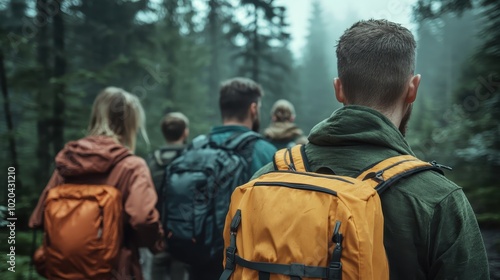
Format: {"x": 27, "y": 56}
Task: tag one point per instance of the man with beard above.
{"x": 239, "y": 103}
{"x": 430, "y": 230}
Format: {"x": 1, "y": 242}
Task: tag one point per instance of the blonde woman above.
{"x": 282, "y": 132}
{"x": 89, "y": 174}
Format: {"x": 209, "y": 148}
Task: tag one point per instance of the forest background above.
{"x": 56, "y": 56}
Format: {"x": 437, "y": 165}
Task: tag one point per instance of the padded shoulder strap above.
{"x": 387, "y": 172}
{"x": 293, "y": 158}
{"x": 200, "y": 141}
{"x": 241, "y": 140}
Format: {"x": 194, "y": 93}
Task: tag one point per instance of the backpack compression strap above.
{"x": 293, "y": 158}
{"x": 295, "y": 271}
{"x": 387, "y": 172}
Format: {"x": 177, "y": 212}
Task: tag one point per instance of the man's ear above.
{"x": 411, "y": 94}
{"x": 186, "y": 133}
{"x": 339, "y": 90}
{"x": 253, "y": 110}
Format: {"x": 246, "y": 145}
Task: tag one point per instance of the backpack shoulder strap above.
{"x": 199, "y": 142}
{"x": 389, "y": 171}
{"x": 240, "y": 140}
{"x": 293, "y": 158}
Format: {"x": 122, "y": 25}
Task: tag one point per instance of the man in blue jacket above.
{"x": 239, "y": 102}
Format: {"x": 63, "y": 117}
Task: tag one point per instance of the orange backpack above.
{"x": 294, "y": 224}
{"x": 83, "y": 231}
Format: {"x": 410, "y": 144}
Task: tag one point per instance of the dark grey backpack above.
{"x": 197, "y": 191}
{"x": 158, "y": 161}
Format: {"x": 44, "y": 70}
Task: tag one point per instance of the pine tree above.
{"x": 45, "y": 157}
{"x": 59, "y": 87}
{"x": 265, "y": 30}
{"x": 317, "y": 86}
{"x": 471, "y": 128}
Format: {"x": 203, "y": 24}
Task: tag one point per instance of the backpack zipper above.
{"x": 337, "y": 239}
{"x": 312, "y": 174}
{"x": 383, "y": 185}
{"x": 378, "y": 175}
{"x": 47, "y": 239}
{"x": 434, "y": 163}
{"x": 101, "y": 224}
{"x": 335, "y": 267}
{"x": 297, "y": 186}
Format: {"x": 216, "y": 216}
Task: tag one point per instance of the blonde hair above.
{"x": 118, "y": 114}
{"x": 283, "y": 111}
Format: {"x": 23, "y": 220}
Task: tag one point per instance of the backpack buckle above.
{"x": 335, "y": 271}
{"x": 230, "y": 256}
{"x": 297, "y": 269}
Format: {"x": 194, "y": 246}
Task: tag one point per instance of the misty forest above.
{"x": 56, "y": 56}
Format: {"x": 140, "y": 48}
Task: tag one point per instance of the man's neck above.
{"x": 395, "y": 115}
{"x": 246, "y": 123}
{"x": 179, "y": 142}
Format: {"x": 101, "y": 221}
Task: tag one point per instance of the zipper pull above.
{"x": 101, "y": 224}
{"x": 378, "y": 175}
{"x": 337, "y": 236}
{"x": 375, "y": 176}
{"x": 335, "y": 266}
{"x": 434, "y": 163}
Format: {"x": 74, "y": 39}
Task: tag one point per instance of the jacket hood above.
{"x": 352, "y": 125}
{"x": 167, "y": 154}
{"x": 282, "y": 131}
{"x": 90, "y": 155}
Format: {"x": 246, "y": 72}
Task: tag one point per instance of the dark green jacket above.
{"x": 431, "y": 231}
{"x": 263, "y": 151}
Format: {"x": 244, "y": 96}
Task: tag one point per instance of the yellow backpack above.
{"x": 295, "y": 224}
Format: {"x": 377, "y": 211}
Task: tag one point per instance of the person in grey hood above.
{"x": 283, "y": 132}
{"x": 430, "y": 230}
{"x": 175, "y": 130}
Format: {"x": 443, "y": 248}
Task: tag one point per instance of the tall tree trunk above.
{"x": 256, "y": 47}
{"x": 8, "y": 117}
{"x": 172, "y": 27}
{"x": 43, "y": 124}
{"x": 214, "y": 73}
{"x": 59, "y": 71}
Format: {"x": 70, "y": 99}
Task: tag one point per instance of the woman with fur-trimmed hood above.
{"x": 283, "y": 132}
